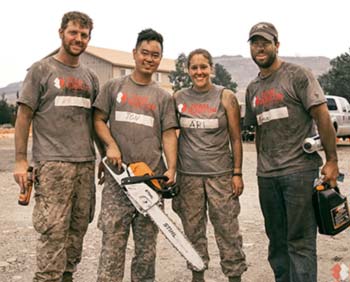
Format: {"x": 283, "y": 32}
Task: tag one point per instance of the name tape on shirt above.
{"x": 134, "y": 118}
{"x": 199, "y": 123}
{"x": 64, "y": 101}
{"x": 272, "y": 114}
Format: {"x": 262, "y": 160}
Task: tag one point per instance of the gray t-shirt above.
{"x": 279, "y": 106}
{"x": 138, "y": 114}
{"x": 61, "y": 98}
{"x": 204, "y": 144}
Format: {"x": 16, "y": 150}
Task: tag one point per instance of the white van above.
{"x": 339, "y": 110}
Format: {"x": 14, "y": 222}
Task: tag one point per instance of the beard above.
{"x": 67, "y": 48}
{"x": 271, "y": 57}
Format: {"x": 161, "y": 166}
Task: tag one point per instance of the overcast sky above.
{"x": 29, "y": 28}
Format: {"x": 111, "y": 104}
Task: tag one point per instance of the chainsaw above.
{"x": 143, "y": 190}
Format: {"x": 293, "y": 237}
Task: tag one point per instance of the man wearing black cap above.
{"x": 282, "y": 102}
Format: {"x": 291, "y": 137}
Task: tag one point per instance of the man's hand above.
{"x": 114, "y": 155}
{"x": 170, "y": 173}
{"x": 330, "y": 172}
{"x": 237, "y": 185}
{"x": 20, "y": 173}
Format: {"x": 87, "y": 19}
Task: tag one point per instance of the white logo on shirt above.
{"x": 254, "y": 102}
{"x": 57, "y": 83}
{"x": 119, "y": 97}
{"x": 180, "y": 107}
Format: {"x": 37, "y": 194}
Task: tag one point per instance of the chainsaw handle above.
{"x": 167, "y": 192}
{"x": 144, "y": 178}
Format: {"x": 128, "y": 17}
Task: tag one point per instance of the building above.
{"x": 110, "y": 63}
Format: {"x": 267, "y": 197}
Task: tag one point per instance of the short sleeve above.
{"x": 308, "y": 89}
{"x": 168, "y": 113}
{"x": 103, "y": 100}
{"x": 249, "y": 116}
{"x": 96, "y": 85}
{"x": 32, "y": 87}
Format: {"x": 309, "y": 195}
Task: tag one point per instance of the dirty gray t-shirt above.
{"x": 61, "y": 98}
{"x": 204, "y": 144}
{"x": 279, "y": 106}
{"x": 138, "y": 114}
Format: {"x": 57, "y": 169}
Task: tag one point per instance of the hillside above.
{"x": 10, "y": 92}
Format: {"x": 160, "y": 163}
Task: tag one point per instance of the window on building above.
{"x": 158, "y": 77}
{"x": 125, "y": 72}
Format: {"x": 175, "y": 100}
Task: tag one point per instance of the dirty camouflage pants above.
{"x": 64, "y": 206}
{"x": 116, "y": 217}
{"x": 199, "y": 194}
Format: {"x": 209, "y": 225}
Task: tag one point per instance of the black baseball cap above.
{"x": 264, "y": 29}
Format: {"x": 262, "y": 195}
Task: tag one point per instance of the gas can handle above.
{"x": 319, "y": 180}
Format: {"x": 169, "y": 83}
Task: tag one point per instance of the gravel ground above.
{"x": 17, "y": 236}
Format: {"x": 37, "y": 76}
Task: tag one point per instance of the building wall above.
{"x": 103, "y": 69}
{"x": 121, "y": 71}
{"x": 164, "y": 81}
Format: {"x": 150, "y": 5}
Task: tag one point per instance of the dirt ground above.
{"x": 18, "y": 238}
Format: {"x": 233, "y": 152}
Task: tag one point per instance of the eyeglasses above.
{"x": 153, "y": 55}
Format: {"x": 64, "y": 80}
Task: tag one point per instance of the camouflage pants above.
{"x": 213, "y": 193}
{"x": 64, "y": 206}
{"x": 116, "y": 217}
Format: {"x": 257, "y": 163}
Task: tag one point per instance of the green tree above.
{"x": 337, "y": 80}
{"x": 223, "y": 77}
{"x": 180, "y": 78}
{"x": 7, "y": 112}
